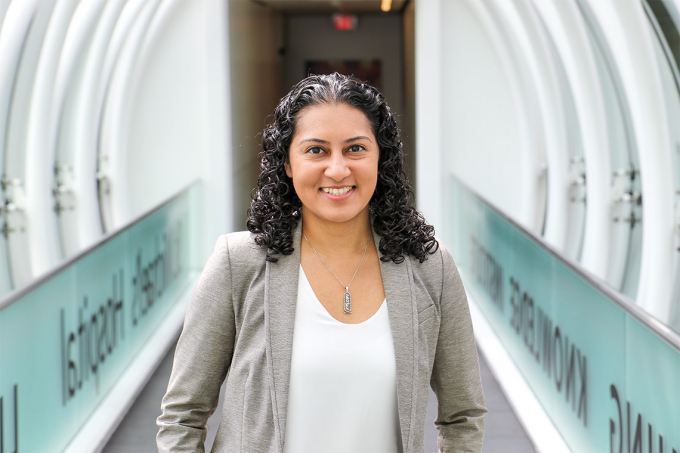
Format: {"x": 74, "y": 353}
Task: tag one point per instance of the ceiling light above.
{"x": 386, "y": 5}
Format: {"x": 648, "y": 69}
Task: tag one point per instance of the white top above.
{"x": 343, "y": 382}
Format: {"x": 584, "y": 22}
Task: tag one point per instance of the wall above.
{"x": 255, "y": 36}
{"x": 470, "y": 118}
{"x": 175, "y": 130}
{"x": 159, "y": 128}
{"x": 408, "y": 125}
{"x": 167, "y": 118}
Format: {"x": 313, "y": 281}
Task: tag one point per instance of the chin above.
{"x": 335, "y": 216}
{"x": 342, "y": 218}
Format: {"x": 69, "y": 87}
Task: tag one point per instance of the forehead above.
{"x": 332, "y": 118}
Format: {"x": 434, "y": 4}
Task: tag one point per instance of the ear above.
{"x": 289, "y": 172}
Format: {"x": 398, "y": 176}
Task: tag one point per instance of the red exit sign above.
{"x": 345, "y": 21}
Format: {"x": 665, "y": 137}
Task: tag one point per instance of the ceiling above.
{"x": 330, "y": 6}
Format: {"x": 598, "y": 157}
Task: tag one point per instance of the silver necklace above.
{"x": 347, "y": 299}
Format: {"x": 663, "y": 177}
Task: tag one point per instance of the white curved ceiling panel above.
{"x": 44, "y": 242}
{"x": 628, "y": 34}
{"x": 552, "y": 111}
{"x": 565, "y": 24}
{"x": 536, "y": 106}
{"x": 112, "y": 152}
{"x": 63, "y": 127}
{"x": 87, "y": 112}
{"x": 21, "y": 120}
{"x": 13, "y": 36}
{"x": 626, "y": 227}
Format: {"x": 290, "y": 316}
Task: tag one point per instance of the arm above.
{"x": 202, "y": 358}
{"x": 455, "y": 374}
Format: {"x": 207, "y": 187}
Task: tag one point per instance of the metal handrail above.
{"x": 659, "y": 328}
{"x": 17, "y": 293}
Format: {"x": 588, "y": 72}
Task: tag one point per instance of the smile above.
{"x": 341, "y": 191}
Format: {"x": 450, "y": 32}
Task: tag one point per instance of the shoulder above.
{"x": 449, "y": 271}
{"x": 438, "y": 267}
{"x": 436, "y": 263}
{"x": 241, "y": 241}
{"x": 241, "y": 249}
{"x": 445, "y": 258}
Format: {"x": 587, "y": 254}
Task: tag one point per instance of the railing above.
{"x": 66, "y": 338}
{"x": 605, "y": 371}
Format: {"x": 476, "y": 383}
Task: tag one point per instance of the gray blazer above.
{"x": 239, "y": 325}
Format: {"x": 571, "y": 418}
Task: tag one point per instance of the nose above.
{"x": 337, "y": 168}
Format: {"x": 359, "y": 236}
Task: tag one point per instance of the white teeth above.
{"x": 342, "y": 191}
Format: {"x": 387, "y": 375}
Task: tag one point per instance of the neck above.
{"x": 344, "y": 238}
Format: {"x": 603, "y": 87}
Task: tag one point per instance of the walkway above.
{"x": 137, "y": 433}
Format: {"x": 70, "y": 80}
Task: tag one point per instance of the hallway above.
{"x": 136, "y": 434}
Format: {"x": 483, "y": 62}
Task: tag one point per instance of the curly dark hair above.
{"x": 276, "y": 209}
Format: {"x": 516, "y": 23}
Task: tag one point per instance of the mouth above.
{"x": 337, "y": 191}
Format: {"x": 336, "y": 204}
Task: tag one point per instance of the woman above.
{"x": 338, "y": 309}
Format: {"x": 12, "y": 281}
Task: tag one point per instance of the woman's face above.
{"x": 333, "y": 162}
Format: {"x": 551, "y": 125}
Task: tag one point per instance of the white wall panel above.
{"x": 484, "y": 126}
{"x": 429, "y": 99}
{"x": 256, "y": 37}
{"x": 164, "y": 128}
{"x": 217, "y": 171}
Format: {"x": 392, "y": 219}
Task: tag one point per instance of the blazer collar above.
{"x": 280, "y": 302}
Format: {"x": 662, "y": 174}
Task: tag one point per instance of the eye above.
{"x": 356, "y": 148}
{"x": 314, "y": 150}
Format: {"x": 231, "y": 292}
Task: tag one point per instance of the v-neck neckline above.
{"x": 383, "y": 305}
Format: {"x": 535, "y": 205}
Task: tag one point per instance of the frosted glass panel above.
{"x": 592, "y": 358}
{"x": 65, "y": 342}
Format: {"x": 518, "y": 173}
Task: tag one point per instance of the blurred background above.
{"x": 541, "y": 138}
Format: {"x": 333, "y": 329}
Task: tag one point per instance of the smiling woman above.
{"x": 332, "y": 342}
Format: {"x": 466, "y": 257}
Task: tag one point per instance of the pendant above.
{"x": 348, "y": 301}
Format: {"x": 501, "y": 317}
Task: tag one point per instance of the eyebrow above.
{"x": 318, "y": 140}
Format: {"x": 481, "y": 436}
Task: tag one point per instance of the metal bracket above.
{"x": 103, "y": 180}
{"x": 634, "y": 198}
{"x": 14, "y": 203}
{"x": 625, "y": 199}
{"x": 577, "y": 185}
{"x": 63, "y": 191}
{"x": 15, "y": 196}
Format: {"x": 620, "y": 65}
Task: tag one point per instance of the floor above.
{"x": 503, "y": 434}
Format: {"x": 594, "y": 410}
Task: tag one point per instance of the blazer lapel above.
{"x": 400, "y": 307}
{"x": 280, "y": 299}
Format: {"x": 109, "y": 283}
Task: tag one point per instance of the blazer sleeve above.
{"x": 202, "y": 358}
{"x": 455, "y": 374}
